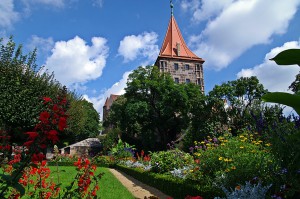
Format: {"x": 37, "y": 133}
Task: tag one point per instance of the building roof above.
{"x": 174, "y": 45}
{"x": 90, "y": 142}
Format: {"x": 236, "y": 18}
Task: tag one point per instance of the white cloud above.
{"x": 7, "y": 14}
{"x": 271, "y": 75}
{"x": 98, "y": 3}
{"x": 205, "y": 9}
{"x": 240, "y": 25}
{"x": 116, "y": 89}
{"x": 54, "y": 3}
{"x": 131, "y": 47}
{"x": 74, "y": 61}
{"x": 43, "y": 45}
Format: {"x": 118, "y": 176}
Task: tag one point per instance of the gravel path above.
{"x": 137, "y": 188}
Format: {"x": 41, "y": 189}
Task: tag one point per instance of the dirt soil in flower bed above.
{"x": 137, "y": 188}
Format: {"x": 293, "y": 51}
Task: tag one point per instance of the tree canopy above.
{"x": 23, "y": 86}
{"x": 154, "y": 110}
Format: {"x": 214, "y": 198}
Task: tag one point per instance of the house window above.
{"x": 198, "y": 81}
{"x": 187, "y": 81}
{"x": 163, "y": 65}
{"x": 175, "y": 66}
{"x": 176, "y": 80}
{"x": 187, "y": 67}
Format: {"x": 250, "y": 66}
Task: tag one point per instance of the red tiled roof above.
{"x": 174, "y": 40}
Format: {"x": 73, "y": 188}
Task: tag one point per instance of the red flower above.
{"x": 46, "y": 99}
{"x": 44, "y": 116}
{"x": 193, "y": 197}
{"x": 28, "y": 143}
{"x": 62, "y": 124}
{"x": 52, "y": 135}
{"x": 55, "y": 108}
{"x": 37, "y": 157}
{"x": 32, "y": 135}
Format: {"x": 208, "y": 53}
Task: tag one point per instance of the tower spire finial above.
{"x": 171, "y": 5}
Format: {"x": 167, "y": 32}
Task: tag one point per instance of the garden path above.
{"x": 137, "y": 188}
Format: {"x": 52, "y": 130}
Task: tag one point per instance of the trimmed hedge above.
{"x": 175, "y": 187}
{"x": 49, "y": 163}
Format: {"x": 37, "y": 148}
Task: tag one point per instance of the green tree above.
{"x": 84, "y": 121}
{"x": 236, "y": 100}
{"x": 22, "y": 87}
{"x": 154, "y": 109}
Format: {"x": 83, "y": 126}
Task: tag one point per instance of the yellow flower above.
{"x": 241, "y": 147}
{"x": 260, "y": 141}
{"x": 220, "y": 158}
{"x": 227, "y": 170}
{"x": 202, "y": 142}
{"x": 191, "y": 171}
{"x": 243, "y": 140}
{"x": 268, "y": 144}
{"x": 222, "y": 144}
{"x": 226, "y": 160}
{"x": 210, "y": 139}
{"x": 229, "y": 160}
{"x": 241, "y": 136}
{"x": 233, "y": 168}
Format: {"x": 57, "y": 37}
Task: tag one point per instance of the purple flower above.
{"x": 191, "y": 149}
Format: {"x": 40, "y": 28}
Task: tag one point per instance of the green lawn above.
{"x": 110, "y": 187}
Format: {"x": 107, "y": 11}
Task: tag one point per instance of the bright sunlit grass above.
{"x": 110, "y": 187}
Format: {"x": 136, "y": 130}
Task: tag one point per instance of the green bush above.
{"x": 165, "y": 161}
{"x": 177, "y": 188}
{"x": 232, "y": 160}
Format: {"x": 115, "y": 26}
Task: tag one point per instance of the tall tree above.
{"x": 237, "y": 100}
{"x": 154, "y": 108}
{"x": 22, "y": 88}
{"x": 84, "y": 121}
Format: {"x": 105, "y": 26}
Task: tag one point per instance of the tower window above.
{"x": 197, "y": 67}
{"x": 187, "y": 67}
{"x": 176, "y": 80}
{"x": 187, "y": 81}
{"x": 175, "y": 66}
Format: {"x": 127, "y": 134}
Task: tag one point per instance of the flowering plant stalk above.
{"x": 26, "y": 174}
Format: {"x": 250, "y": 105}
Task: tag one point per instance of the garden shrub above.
{"x": 231, "y": 160}
{"x": 165, "y": 161}
{"x": 175, "y": 187}
{"x": 122, "y": 150}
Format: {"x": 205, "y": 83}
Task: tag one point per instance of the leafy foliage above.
{"x": 22, "y": 88}
{"x": 84, "y": 121}
{"x": 287, "y": 57}
{"x": 154, "y": 110}
{"x": 165, "y": 161}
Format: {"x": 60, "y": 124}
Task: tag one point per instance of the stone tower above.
{"x": 177, "y": 59}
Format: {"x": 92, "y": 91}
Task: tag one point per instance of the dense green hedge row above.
{"x": 49, "y": 163}
{"x": 175, "y": 187}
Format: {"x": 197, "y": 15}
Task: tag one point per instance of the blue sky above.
{"x": 93, "y": 45}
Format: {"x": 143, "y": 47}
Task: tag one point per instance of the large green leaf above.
{"x": 288, "y": 57}
{"x": 288, "y": 99}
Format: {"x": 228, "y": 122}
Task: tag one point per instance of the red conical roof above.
{"x": 174, "y": 41}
